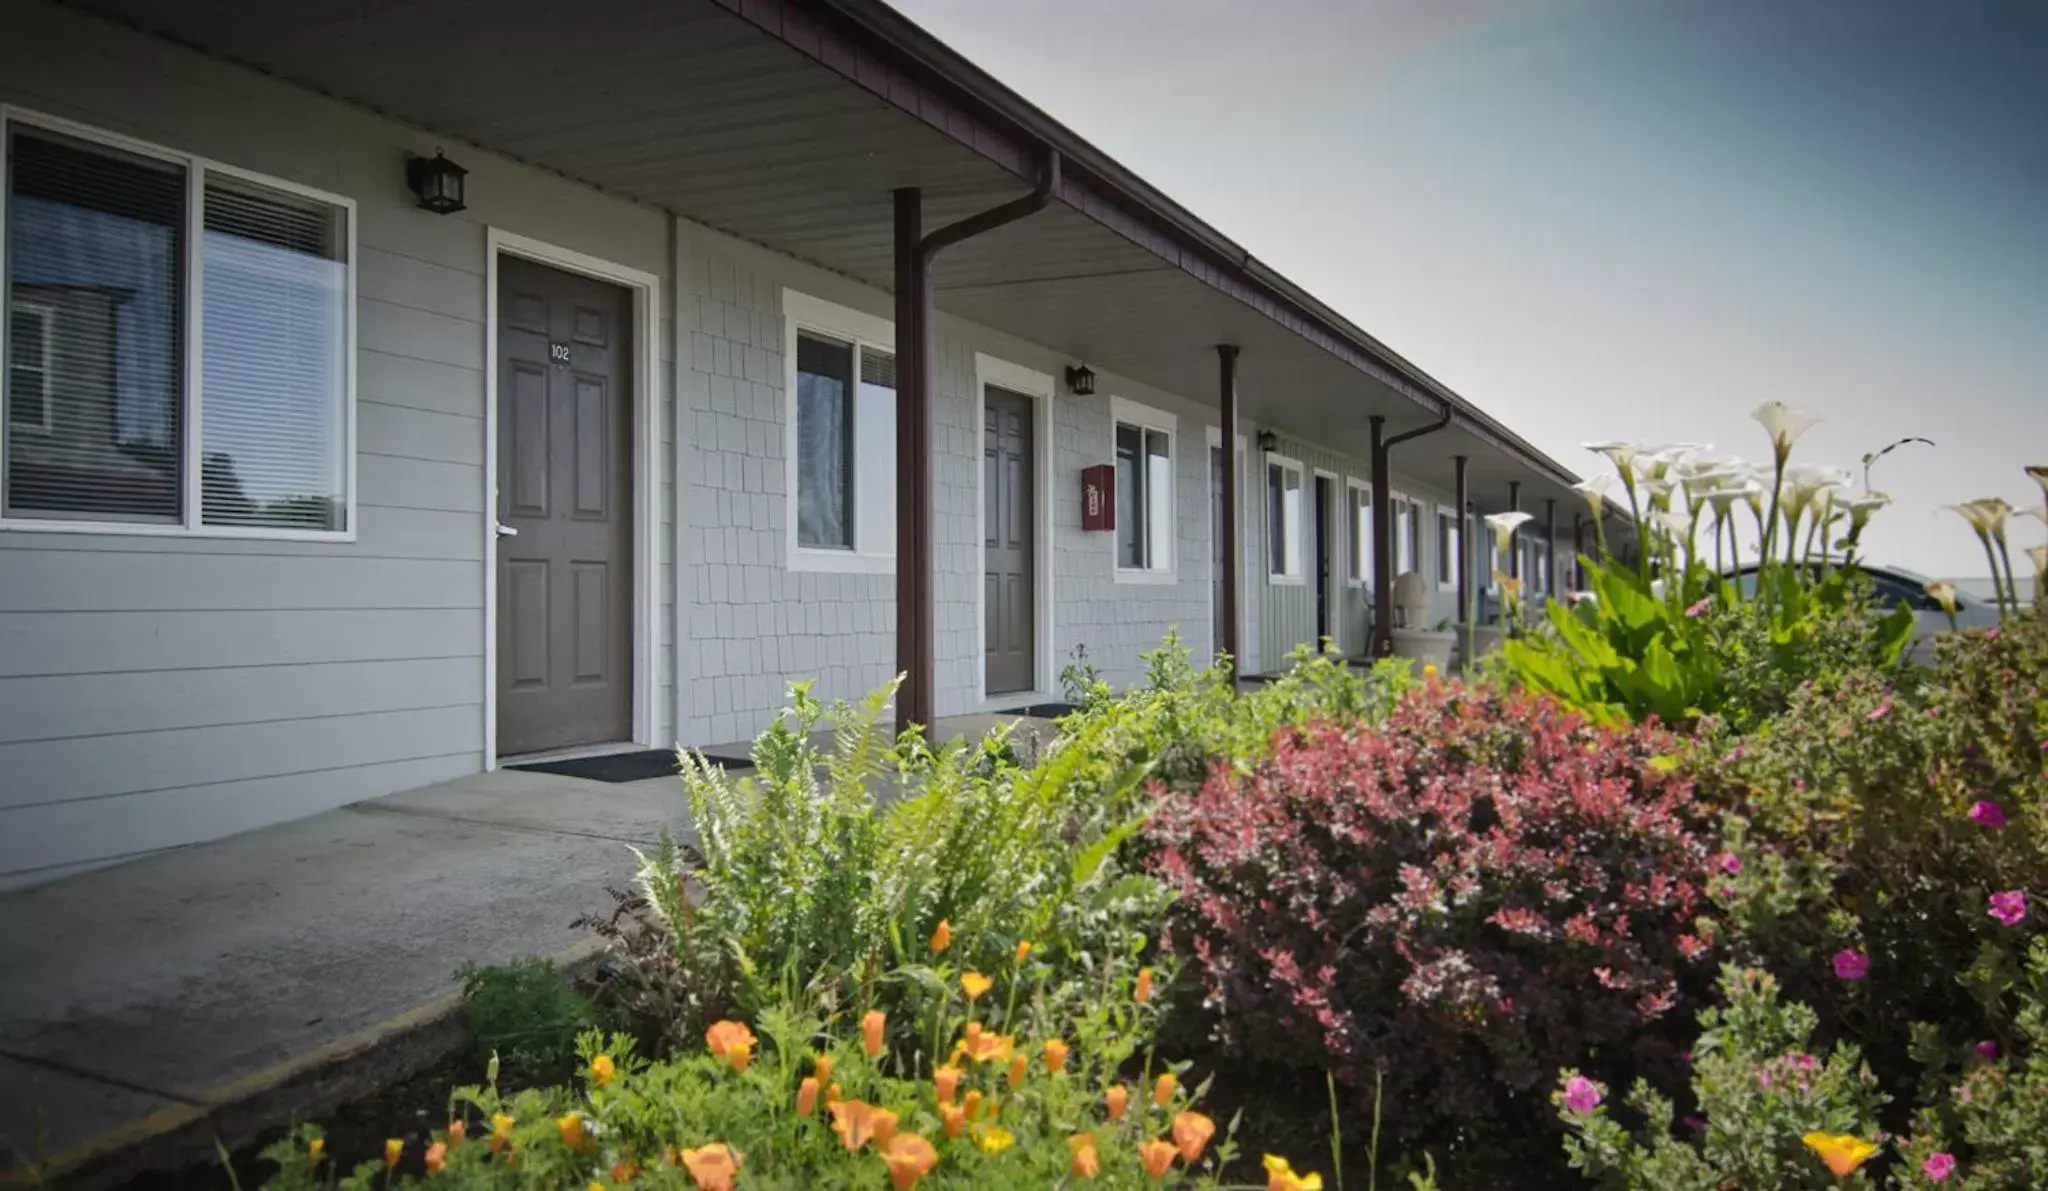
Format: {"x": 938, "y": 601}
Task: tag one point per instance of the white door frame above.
{"x": 1038, "y": 386}
{"x": 1214, "y": 439}
{"x": 646, "y": 462}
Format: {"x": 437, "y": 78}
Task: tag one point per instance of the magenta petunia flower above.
{"x": 1987, "y": 813}
{"x": 1705, "y": 602}
{"x": 1731, "y": 863}
{"x": 1882, "y": 710}
{"x": 1803, "y": 1061}
{"x": 1939, "y": 1165}
{"x": 2010, "y": 906}
{"x": 1851, "y": 965}
{"x": 1582, "y": 1094}
{"x": 1987, "y": 1049}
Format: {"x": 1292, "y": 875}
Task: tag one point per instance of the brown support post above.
{"x": 1233, "y": 555}
{"x": 913, "y": 466}
{"x": 1515, "y": 536}
{"x": 1550, "y": 547}
{"x": 1578, "y": 551}
{"x": 1464, "y": 546}
{"x": 1382, "y": 544}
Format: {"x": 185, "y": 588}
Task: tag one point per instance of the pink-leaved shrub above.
{"x": 1464, "y": 897}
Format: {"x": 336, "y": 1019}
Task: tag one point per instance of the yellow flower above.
{"x": 714, "y": 1166}
{"x": 1843, "y": 1152}
{"x": 316, "y": 1150}
{"x": 942, "y": 938}
{"x": 393, "y": 1147}
{"x": 1281, "y": 1177}
{"x": 501, "y": 1131}
{"x": 1158, "y": 1156}
{"x": 993, "y": 1139}
{"x": 1192, "y": 1131}
{"x": 1023, "y": 949}
{"x": 909, "y": 1158}
{"x": 871, "y": 1027}
{"x": 1429, "y": 669}
{"x": 437, "y": 1157}
{"x": 1144, "y": 990}
{"x": 602, "y": 1070}
{"x": 732, "y": 1043}
{"x": 594, "y": 1186}
{"x": 974, "y": 984}
{"x": 1055, "y": 1055}
{"x": 947, "y": 1080}
{"x": 1115, "y": 1099}
{"x": 1162, "y": 1091}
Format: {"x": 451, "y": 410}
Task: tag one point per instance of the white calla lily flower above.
{"x": 1504, "y": 526}
{"x": 1784, "y": 424}
{"x": 1986, "y": 515}
{"x": 1595, "y": 491}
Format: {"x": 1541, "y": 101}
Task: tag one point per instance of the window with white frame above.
{"x": 1360, "y": 508}
{"x": 1447, "y": 547}
{"x": 1407, "y": 523}
{"x": 1144, "y": 491}
{"x": 842, "y": 436}
{"x": 1284, "y": 509}
{"x": 125, "y": 262}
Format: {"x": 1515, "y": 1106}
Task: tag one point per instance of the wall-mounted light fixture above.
{"x": 437, "y": 181}
{"x": 1080, "y": 380}
{"x": 1268, "y": 441}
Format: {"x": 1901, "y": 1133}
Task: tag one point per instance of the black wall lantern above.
{"x": 1080, "y": 380}
{"x": 1268, "y": 441}
{"x": 438, "y": 182}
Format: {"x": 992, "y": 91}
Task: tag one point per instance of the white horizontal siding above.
{"x": 95, "y": 642}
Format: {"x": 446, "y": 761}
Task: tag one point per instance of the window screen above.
{"x": 824, "y": 441}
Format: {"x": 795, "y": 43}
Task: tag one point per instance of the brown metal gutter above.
{"x": 946, "y": 90}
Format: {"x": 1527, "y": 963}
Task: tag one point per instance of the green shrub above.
{"x": 1764, "y": 1102}
{"x": 1989, "y": 1119}
{"x": 526, "y": 1013}
{"x": 1033, "y": 1090}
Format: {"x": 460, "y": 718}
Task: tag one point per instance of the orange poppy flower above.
{"x": 715, "y": 1167}
{"x": 909, "y": 1158}
{"x": 1162, "y": 1091}
{"x": 437, "y": 1157}
{"x": 501, "y": 1131}
{"x": 1157, "y": 1155}
{"x": 1017, "y": 1067}
{"x": 858, "y": 1122}
{"x": 1087, "y": 1162}
{"x": 602, "y": 1069}
{"x": 1115, "y": 1098}
{"x": 942, "y": 938}
{"x": 1143, "y": 992}
{"x": 954, "y": 1117}
{"x": 570, "y": 1126}
{"x": 457, "y": 1132}
{"x": 732, "y": 1043}
{"x": 1055, "y": 1055}
{"x": 972, "y": 1104}
{"x": 625, "y": 1170}
{"x": 984, "y": 1047}
{"x": 1192, "y": 1131}
{"x": 823, "y": 1070}
{"x": 947, "y": 1080}
{"x": 871, "y": 1027}
{"x": 1023, "y": 949}
{"x": 1843, "y": 1152}
{"x": 974, "y": 984}
{"x": 807, "y": 1096}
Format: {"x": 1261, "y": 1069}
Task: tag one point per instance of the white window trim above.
{"x": 1025, "y": 382}
{"x": 191, "y": 398}
{"x": 1297, "y": 577}
{"x": 1445, "y": 513}
{"x": 1144, "y": 417}
{"x": 1398, "y": 503}
{"x": 802, "y": 312}
{"x": 1358, "y": 572}
{"x": 47, "y": 315}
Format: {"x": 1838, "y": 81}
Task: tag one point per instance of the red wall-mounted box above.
{"x": 1098, "y": 497}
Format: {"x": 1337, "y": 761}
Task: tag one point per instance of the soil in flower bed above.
{"x": 410, "y": 1110}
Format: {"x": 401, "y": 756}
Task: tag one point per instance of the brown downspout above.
{"x": 1233, "y": 558}
{"x": 1515, "y": 534}
{"x": 1578, "y": 551}
{"x": 1550, "y": 548}
{"x": 916, "y": 699}
{"x": 1464, "y": 554}
{"x": 1382, "y": 527}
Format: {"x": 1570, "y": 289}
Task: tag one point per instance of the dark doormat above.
{"x": 1043, "y": 711}
{"x": 623, "y": 767}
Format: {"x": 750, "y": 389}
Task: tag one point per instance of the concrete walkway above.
{"x": 224, "y": 988}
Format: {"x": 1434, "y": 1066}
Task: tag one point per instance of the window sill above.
{"x": 1145, "y": 578}
{"x": 840, "y": 562}
{"x": 130, "y": 530}
{"x": 1287, "y": 580}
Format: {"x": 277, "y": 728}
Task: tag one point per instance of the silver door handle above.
{"x": 506, "y": 531}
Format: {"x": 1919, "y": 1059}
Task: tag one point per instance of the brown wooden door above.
{"x": 1010, "y": 610}
{"x": 565, "y": 493}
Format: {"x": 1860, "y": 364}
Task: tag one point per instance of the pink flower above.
{"x": 1582, "y": 1094}
{"x": 1803, "y": 1061}
{"x": 1851, "y": 965}
{"x": 1939, "y": 1166}
{"x": 1705, "y": 603}
{"x": 1882, "y": 710}
{"x": 1987, "y": 1049}
{"x": 2010, "y": 906}
{"x": 1696, "y": 1124}
{"x": 1731, "y": 863}
{"x": 1987, "y": 813}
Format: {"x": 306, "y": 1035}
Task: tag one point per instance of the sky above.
{"x": 1621, "y": 219}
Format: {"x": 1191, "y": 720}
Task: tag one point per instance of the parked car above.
{"x": 1896, "y": 585}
